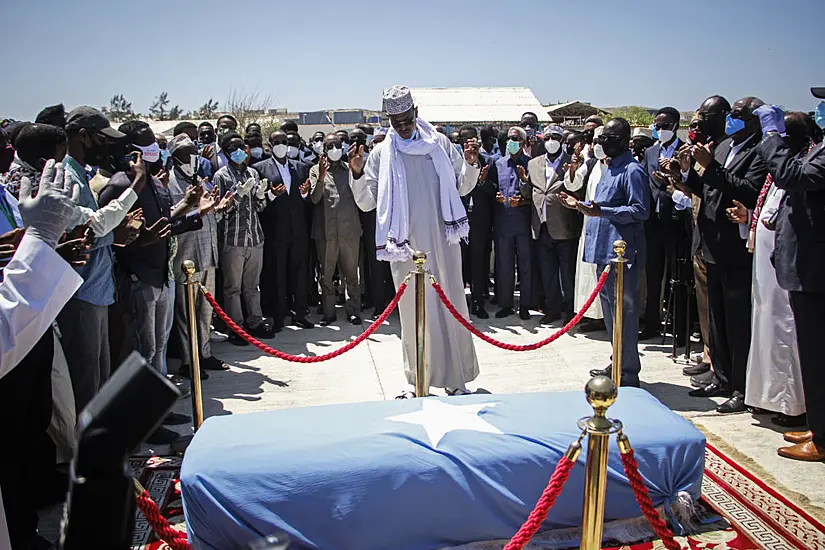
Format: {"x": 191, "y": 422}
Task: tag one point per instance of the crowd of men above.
{"x": 276, "y": 226}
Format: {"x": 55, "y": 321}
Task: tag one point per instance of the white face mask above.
{"x": 665, "y": 135}
{"x": 598, "y": 151}
{"x": 187, "y": 170}
{"x": 150, "y": 153}
{"x": 318, "y": 146}
{"x": 552, "y": 146}
{"x": 292, "y": 152}
{"x": 279, "y": 150}
{"x": 335, "y": 154}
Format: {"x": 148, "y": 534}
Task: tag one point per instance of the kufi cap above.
{"x": 380, "y": 131}
{"x": 553, "y": 129}
{"x": 397, "y": 100}
{"x": 639, "y": 131}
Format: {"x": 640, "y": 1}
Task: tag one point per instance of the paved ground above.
{"x": 373, "y": 371}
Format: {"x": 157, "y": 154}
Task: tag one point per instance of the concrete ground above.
{"x": 372, "y": 371}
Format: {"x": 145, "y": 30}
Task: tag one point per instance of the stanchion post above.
{"x": 601, "y": 393}
{"x": 422, "y": 386}
{"x": 194, "y": 347}
{"x": 619, "y": 247}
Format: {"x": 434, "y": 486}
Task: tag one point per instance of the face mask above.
{"x": 151, "y": 153}
{"x": 459, "y": 148}
{"x": 318, "y": 146}
{"x": 279, "y": 150}
{"x": 292, "y": 152}
{"x": 205, "y": 140}
{"x": 256, "y": 152}
{"x": 665, "y": 135}
{"x": 695, "y": 136}
{"x": 187, "y": 170}
{"x": 552, "y": 146}
{"x": 598, "y": 152}
{"x": 613, "y": 148}
{"x": 335, "y": 154}
{"x": 412, "y": 137}
{"x": 164, "y": 155}
{"x": 819, "y": 114}
{"x": 238, "y": 156}
{"x": 733, "y": 125}
{"x": 513, "y": 147}
{"x": 570, "y": 149}
{"x": 655, "y": 131}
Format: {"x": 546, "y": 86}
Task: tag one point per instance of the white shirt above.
{"x": 286, "y": 178}
{"x": 667, "y": 153}
{"x": 107, "y": 218}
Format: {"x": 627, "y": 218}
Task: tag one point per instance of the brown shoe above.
{"x": 798, "y": 437}
{"x": 808, "y": 451}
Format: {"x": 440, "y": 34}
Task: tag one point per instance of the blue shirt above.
{"x": 510, "y": 221}
{"x": 10, "y": 213}
{"x": 622, "y": 194}
{"x": 98, "y": 286}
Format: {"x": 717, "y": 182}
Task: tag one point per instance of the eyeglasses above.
{"x": 604, "y": 138}
{"x": 664, "y": 126}
{"x": 331, "y": 146}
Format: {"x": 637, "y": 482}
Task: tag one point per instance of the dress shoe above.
{"x": 704, "y": 379}
{"x": 566, "y": 318}
{"x": 173, "y": 419}
{"x": 712, "y": 390}
{"x": 185, "y": 371}
{"x": 736, "y": 404}
{"x": 265, "y": 329}
{"x": 591, "y": 325}
{"x": 504, "y": 312}
{"x": 236, "y": 340}
{"x": 549, "y": 318}
{"x": 479, "y": 311}
{"x": 607, "y": 371}
{"x": 278, "y": 325}
{"x": 798, "y": 437}
{"x": 524, "y": 314}
{"x": 649, "y": 334}
{"x": 354, "y": 320}
{"x": 807, "y": 451}
{"x": 326, "y": 321}
{"x": 693, "y": 370}
{"x": 786, "y": 421}
{"x": 213, "y": 363}
{"x": 302, "y": 322}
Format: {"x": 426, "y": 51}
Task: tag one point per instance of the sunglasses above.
{"x": 604, "y": 138}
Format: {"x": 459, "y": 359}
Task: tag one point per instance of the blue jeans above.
{"x": 631, "y": 363}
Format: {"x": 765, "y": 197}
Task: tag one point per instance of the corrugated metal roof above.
{"x": 477, "y": 104}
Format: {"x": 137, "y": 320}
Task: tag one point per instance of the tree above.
{"x": 246, "y": 106}
{"x": 157, "y": 110}
{"x": 635, "y": 115}
{"x": 175, "y": 113}
{"x": 207, "y": 111}
{"x": 119, "y": 110}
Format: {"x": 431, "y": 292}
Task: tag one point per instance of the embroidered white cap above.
{"x": 397, "y": 100}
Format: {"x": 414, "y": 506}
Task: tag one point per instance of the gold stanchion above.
{"x": 422, "y": 387}
{"x": 619, "y": 262}
{"x": 601, "y": 393}
{"x": 194, "y": 347}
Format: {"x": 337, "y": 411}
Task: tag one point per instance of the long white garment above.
{"x": 37, "y": 284}
{"x": 450, "y": 356}
{"x": 774, "y": 377}
{"x": 586, "y": 273}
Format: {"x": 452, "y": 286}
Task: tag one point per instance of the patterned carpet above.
{"x": 737, "y": 510}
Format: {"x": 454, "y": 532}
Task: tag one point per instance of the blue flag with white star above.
{"x": 418, "y": 474}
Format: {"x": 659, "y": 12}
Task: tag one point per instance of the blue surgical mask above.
{"x": 819, "y": 114}
{"x": 164, "y": 155}
{"x": 256, "y": 152}
{"x": 513, "y": 147}
{"x": 238, "y": 156}
{"x": 655, "y": 132}
{"x": 458, "y": 148}
{"x": 412, "y": 137}
{"x": 733, "y": 125}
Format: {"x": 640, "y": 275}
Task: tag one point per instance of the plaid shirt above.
{"x": 240, "y": 225}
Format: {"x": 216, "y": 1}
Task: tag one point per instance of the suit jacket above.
{"x": 799, "y": 255}
{"x": 337, "y": 215}
{"x": 285, "y": 218}
{"x": 718, "y": 187}
{"x": 481, "y": 201}
{"x": 562, "y": 223}
{"x": 658, "y": 191}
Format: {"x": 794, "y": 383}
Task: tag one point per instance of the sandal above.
{"x": 406, "y": 395}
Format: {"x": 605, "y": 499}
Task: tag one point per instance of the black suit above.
{"x": 480, "y": 214}
{"x": 667, "y": 239}
{"x": 729, "y": 262}
{"x": 286, "y": 243}
{"x": 799, "y": 258}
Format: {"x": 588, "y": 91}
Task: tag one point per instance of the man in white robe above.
{"x": 422, "y": 212}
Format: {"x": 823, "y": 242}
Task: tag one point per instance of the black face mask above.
{"x": 570, "y": 149}
{"x": 713, "y": 126}
{"x": 95, "y": 154}
{"x": 614, "y": 147}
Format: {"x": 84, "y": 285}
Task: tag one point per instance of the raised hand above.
{"x": 47, "y": 215}
{"x": 323, "y": 166}
{"x": 304, "y": 188}
{"x": 129, "y": 229}
{"x": 76, "y": 251}
{"x": 482, "y": 177}
{"x": 568, "y": 201}
{"x": 593, "y": 209}
{"x": 137, "y": 170}
{"x": 13, "y": 237}
{"x": 244, "y": 188}
{"x": 738, "y": 213}
{"x": 500, "y": 198}
{"x": 208, "y": 152}
{"x": 226, "y": 202}
{"x": 471, "y": 151}
{"x": 159, "y": 230}
{"x": 208, "y": 201}
{"x": 515, "y": 201}
{"x": 278, "y": 190}
{"x": 355, "y": 156}
{"x": 522, "y": 174}
{"x": 703, "y": 154}
{"x": 193, "y": 195}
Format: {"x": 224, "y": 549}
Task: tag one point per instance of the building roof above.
{"x": 483, "y": 104}
{"x": 573, "y": 108}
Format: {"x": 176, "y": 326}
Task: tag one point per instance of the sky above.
{"x": 323, "y": 54}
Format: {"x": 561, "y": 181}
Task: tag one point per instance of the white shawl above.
{"x": 392, "y": 228}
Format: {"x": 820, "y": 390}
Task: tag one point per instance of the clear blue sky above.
{"x": 316, "y": 54}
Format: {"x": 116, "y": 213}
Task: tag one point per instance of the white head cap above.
{"x": 397, "y": 100}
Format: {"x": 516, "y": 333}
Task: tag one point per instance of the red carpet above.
{"x": 737, "y": 511}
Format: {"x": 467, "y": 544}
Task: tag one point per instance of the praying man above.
{"x": 415, "y": 179}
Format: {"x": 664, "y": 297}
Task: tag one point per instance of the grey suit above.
{"x": 337, "y": 236}
{"x": 556, "y": 230}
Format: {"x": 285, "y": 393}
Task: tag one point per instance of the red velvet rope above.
{"x": 174, "y": 538}
{"x": 545, "y": 502}
{"x": 631, "y": 469}
{"x": 297, "y": 358}
{"x": 527, "y": 347}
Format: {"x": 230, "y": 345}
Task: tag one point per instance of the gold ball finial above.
{"x": 188, "y": 268}
{"x": 419, "y": 256}
{"x": 601, "y": 392}
{"x": 619, "y": 247}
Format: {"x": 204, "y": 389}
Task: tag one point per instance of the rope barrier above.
{"x": 168, "y": 534}
{"x": 302, "y": 359}
{"x": 631, "y": 469}
{"x": 527, "y": 347}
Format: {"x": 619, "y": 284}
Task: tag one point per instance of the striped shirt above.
{"x": 240, "y": 225}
